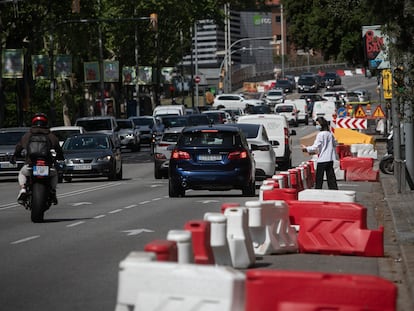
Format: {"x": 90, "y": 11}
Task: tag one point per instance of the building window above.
{"x": 278, "y": 19}
{"x": 279, "y": 37}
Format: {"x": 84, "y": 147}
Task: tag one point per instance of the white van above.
{"x": 302, "y": 106}
{"x": 169, "y": 109}
{"x": 326, "y": 109}
{"x": 277, "y": 129}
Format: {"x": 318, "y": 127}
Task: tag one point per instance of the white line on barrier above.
{"x": 26, "y": 239}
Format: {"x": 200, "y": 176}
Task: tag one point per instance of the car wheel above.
{"x": 174, "y": 191}
{"x": 249, "y": 190}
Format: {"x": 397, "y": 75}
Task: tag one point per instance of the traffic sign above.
{"x": 360, "y": 113}
{"x": 379, "y": 113}
{"x": 352, "y": 123}
{"x": 341, "y": 112}
{"x": 197, "y": 79}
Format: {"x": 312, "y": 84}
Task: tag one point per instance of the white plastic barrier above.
{"x": 218, "y": 238}
{"x": 184, "y": 245}
{"x": 364, "y": 150}
{"x": 289, "y": 184}
{"x": 167, "y": 286}
{"x": 339, "y": 174}
{"x": 238, "y": 237}
{"x": 367, "y": 154}
{"x": 303, "y": 176}
{"x": 270, "y": 228}
{"x": 264, "y": 188}
{"x": 327, "y": 195}
{"x": 279, "y": 178}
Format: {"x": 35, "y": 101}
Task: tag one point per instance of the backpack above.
{"x": 38, "y": 146}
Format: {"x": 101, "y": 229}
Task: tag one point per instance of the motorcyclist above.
{"x": 39, "y": 126}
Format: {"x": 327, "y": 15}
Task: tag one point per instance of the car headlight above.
{"x": 129, "y": 135}
{"x": 104, "y": 158}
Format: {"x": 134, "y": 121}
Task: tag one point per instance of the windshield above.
{"x": 223, "y": 139}
{"x": 95, "y": 125}
{"x": 86, "y": 143}
{"x": 124, "y": 124}
{"x": 63, "y": 134}
{"x": 10, "y": 138}
{"x": 143, "y": 121}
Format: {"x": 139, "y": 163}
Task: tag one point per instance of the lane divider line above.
{"x": 75, "y": 224}
{"x": 26, "y": 239}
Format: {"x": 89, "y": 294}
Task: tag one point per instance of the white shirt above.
{"x": 325, "y": 146}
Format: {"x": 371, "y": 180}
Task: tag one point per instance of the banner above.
{"x": 145, "y": 75}
{"x": 375, "y": 47}
{"x": 91, "y": 72}
{"x": 111, "y": 71}
{"x": 63, "y": 66}
{"x": 128, "y": 75}
{"x": 40, "y": 67}
{"x": 12, "y": 63}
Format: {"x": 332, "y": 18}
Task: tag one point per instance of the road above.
{"x": 71, "y": 261}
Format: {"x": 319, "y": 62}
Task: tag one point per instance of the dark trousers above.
{"x": 327, "y": 167}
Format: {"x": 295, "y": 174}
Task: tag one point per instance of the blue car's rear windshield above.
{"x": 223, "y": 139}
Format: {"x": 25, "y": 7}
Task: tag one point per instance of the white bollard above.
{"x": 218, "y": 238}
{"x": 238, "y": 237}
{"x": 280, "y": 180}
{"x": 184, "y": 245}
{"x": 264, "y": 188}
{"x": 302, "y": 171}
{"x": 270, "y": 227}
{"x": 153, "y": 286}
{"x": 327, "y": 195}
{"x": 289, "y": 183}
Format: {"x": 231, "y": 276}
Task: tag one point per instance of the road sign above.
{"x": 379, "y": 113}
{"x": 387, "y": 83}
{"x": 352, "y": 123}
{"x": 197, "y": 79}
{"x": 341, "y": 112}
{"x": 360, "y": 113}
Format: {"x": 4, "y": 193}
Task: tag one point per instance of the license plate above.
{"x": 40, "y": 170}
{"x": 82, "y": 167}
{"x": 8, "y": 165}
{"x": 210, "y": 157}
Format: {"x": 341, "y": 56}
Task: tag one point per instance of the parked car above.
{"x": 162, "y": 151}
{"x": 91, "y": 155}
{"x": 129, "y": 134}
{"x": 218, "y": 116}
{"x": 229, "y": 101}
{"x": 144, "y": 125}
{"x": 288, "y": 110}
{"x": 277, "y": 129}
{"x": 262, "y": 150}
{"x": 63, "y": 132}
{"x": 9, "y": 137}
{"x": 213, "y": 157}
{"x": 275, "y": 96}
{"x": 285, "y": 85}
{"x": 102, "y": 124}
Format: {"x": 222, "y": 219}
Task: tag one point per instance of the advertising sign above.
{"x": 91, "y": 72}
{"x": 111, "y": 71}
{"x": 63, "y": 66}
{"x": 12, "y": 63}
{"x": 40, "y": 66}
{"x": 128, "y": 75}
{"x": 376, "y": 47}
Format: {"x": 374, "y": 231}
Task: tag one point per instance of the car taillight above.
{"x": 180, "y": 155}
{"x": 40, "y": 163}
{"x": 237, "y": 155}
{"x": 286, "y": 131}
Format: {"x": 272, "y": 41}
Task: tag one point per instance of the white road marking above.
{"x": 116, "y": 211}
{"x": 144, "y": 202}
{"x": 81, "y": 203}
{"x": 137, "y": 231}
{"x": 130, "y": 206}
{"x": 156, "y": 199}
{"x": 26, "y": 239}
{"x": 75, "y": 224}
{"x": 99, "y": 216}
{"x": 8, "y": 205}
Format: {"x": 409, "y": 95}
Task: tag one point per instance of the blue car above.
{"x": 214, "y": 157}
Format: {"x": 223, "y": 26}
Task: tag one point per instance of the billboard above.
{"x": 40, "y": 66}
{"x": 12, "y": 63}
{"x": 375, "y": 47}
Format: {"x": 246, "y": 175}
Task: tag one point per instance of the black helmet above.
{"x": 40, "y": 120}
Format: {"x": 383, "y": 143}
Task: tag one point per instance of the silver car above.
{"x": 9, "y": 137}
{"x": 162, "y": 151}
{"x": 128, "y": 134}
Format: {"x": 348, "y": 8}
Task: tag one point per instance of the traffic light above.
{"x": 154, "y": 21}
{"x": 75, "y": 6}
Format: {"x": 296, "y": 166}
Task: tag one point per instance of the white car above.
{"x": 275, "y": 96}
{"x": 63, "y": 132}
{"x": 228, "y": 101}
{"x": 262, "y": 150}
{"x": 290, "y": 111}
{"x": 302, "y": 106}
{"x": 129, "y": 134}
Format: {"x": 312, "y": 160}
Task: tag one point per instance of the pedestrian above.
{"x": 325, "y": 147}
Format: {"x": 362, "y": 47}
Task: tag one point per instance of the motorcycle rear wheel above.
{"x": 40, "y": 194}
{"x": 387, "y": 165}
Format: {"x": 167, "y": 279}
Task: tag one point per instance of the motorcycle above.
{"x": 386, "y": 164}
{"x": 39, "y": 192}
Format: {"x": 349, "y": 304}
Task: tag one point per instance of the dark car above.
{"x": 144, "y": 125}
{"x": 307, "y": 84}
{"x": 285, "y": 85}
{"x": 331, "y": 78}
{"x": 91, "y": 155}
{"x": 213, "y": 157}
{"x": 9, "y": 137}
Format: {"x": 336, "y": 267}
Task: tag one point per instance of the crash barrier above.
{"x": 270, "y": 227}
{"x": 147, "y": 285}
{"x": 295, "y": 179}
{"x": 184, "y": 245}
{"x": 280, "y": 194}
{"x": 343, "y": 150}
{"x": 339, "y": 172}
{"x": 218, "y": 238}
{"x": 335, "y": 228}
{"x": 163, "y": 249}
{"x": 238, "y": 237}
{"x": 327, "y": 195}
{"x": 200, "y": 235}
{"x": 274, "y": 290}
{"x": 364, "y": 151}
{"x": 266, "y": 187}
{"x": 288, "y": 178}
{"x": 359, "y": 169}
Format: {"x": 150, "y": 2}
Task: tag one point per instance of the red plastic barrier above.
{"x": 296, "y": 179}
{"x": 361, "y": 174}
{"x": 224, "y": 206}
{"x": 284, "y": 180}
{"x": 164, "y": 250}
{"x": 340, "y": 72}
{"x": 200, "y": 235}
{"x": 343, "y": 151}
{"x": 335, "y": 228}
{"x": 313, "y": 171}
{"x": 276, "y": 290}
{"x": 351, "y": 163}
{"x": 281, "y": 194}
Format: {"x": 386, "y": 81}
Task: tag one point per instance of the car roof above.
{"x": 221, "y": 128}
{"x": 66, "y": 127}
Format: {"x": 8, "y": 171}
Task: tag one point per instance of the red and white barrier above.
{"x": 327, "y": 195}
{"x": 218, "y": 238}
{"x": 184, "y": 245}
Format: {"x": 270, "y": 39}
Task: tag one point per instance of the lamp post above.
{"x": 227, "y": 56}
